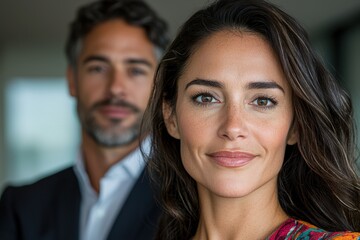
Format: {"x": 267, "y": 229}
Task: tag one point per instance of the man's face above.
{"x": 113, "y": 81}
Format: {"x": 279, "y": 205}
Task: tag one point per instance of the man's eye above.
{"x": 137, "y": 72}
{"x": 96, "y": 69}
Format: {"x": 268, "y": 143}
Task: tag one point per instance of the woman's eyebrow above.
{"x": 204, "y": 82}
{"x": 251, "y": 85}
{"x": 264, "y": 85}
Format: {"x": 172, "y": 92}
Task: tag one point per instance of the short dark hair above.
{"x": 318, "y": 181}
{"x": 134, "y": 12}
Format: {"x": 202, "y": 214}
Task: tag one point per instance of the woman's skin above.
{"x": 233, "y": 118}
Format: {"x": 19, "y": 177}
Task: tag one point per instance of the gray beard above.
{"x": 114, "y": 135}
{"x": 110, "y": 137}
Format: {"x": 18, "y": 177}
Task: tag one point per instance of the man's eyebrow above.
{"x": 204, "y": 82}
{"x": 139, "y": 61}
{"x": 127, "y": 61}
{"x": 264, "y": 85}
{"x": 95, "y": 58}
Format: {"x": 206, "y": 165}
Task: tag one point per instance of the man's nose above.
{"x": 118, "y": 83}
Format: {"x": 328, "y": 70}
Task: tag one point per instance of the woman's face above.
{"x": 233, "y": 115}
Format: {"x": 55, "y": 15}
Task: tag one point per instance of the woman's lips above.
{"x": 231, "y": 159}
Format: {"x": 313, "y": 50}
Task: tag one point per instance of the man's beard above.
{"x": 110, "y": 136}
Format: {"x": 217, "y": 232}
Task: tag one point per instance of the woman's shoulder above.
{"x": 297, "y": 229}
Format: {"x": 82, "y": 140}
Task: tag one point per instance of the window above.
{"x": 41, "y": 128}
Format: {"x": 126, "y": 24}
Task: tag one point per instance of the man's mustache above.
{"x": 117, "y": 103}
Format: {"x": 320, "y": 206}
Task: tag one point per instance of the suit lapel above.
{"x": 139, "y": 214}
{"x": 68, "y": 207}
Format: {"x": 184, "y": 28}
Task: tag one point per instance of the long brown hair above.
{"x": 318, "y": 181}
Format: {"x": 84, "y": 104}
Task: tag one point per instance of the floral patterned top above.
{"x": 295, "y": 229}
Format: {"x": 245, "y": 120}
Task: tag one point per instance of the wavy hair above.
{"x": 133, "y": 12}
{"x": 318, "y": 182}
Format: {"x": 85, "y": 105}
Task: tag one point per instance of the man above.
{"x": 112, "y": 51}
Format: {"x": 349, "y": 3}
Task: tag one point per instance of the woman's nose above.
{"x": 234, "y": 123}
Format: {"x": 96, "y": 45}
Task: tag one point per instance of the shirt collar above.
{"x": 133, "y": 164}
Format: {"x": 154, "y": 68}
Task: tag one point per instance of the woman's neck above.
{"x": 251, "y": 217}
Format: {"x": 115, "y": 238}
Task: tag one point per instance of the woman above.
{"x": 253, "y": 138}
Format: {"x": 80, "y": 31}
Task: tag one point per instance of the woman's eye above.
{"x": 205, "y": 99}
{"x": 264, "y": 102}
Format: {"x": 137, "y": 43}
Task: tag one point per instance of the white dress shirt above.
{"x": 99, "y": 211}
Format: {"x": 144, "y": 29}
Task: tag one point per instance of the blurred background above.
{"x": 38, "y": 124}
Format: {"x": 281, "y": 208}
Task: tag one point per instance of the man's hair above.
{"x": 133, "y": 12}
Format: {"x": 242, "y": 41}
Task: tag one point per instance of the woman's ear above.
{"x": 170, "y": 121}
{"x": 293, "y": 135}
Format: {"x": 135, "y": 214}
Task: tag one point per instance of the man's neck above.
{"x": 98, "y": 159}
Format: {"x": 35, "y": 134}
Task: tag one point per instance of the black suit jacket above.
{"x": 49, "y": 209}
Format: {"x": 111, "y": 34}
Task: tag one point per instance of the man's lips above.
{"x": 231, "y": 158}
{"x": 115, "y": 111}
